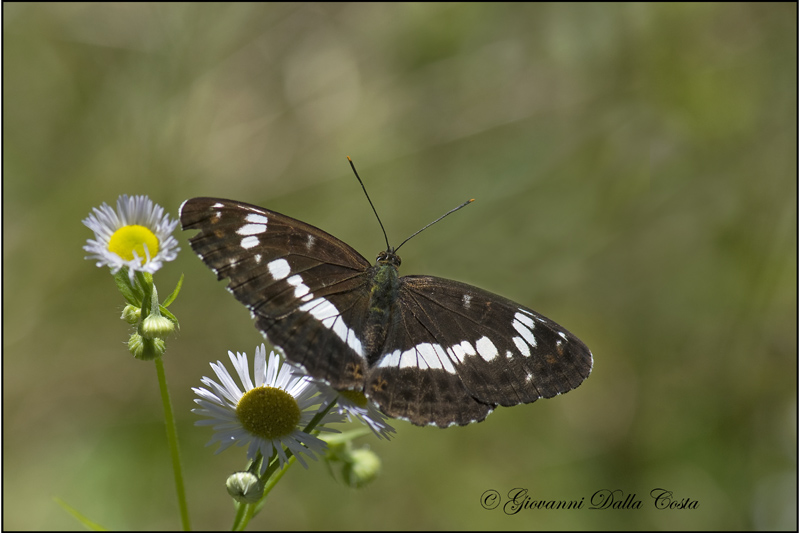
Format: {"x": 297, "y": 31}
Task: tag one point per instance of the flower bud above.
{"x": 131, "y": 314}
{"x": 157, "y": 327}
{"x": 136, "y": 345}
{"x": 362, "y": 468}
{"x": 245, "y": 487}
{"x": 146, "y": 349}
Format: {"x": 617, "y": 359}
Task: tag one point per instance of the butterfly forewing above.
{"x": 303, "y": 286}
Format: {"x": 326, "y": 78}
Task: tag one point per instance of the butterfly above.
{"x": 429, "y": 350}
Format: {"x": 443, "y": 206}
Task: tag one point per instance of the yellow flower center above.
{"x": 268, "y": 412}
{"x": 356, "y": 397}
{"x": 129, "y": 239}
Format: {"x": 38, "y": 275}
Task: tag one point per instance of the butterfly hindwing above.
{"x": 456, "y": 344}
{"x": 303, "y": 286}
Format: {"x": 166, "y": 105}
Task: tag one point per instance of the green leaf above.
{"x": 346, "y": 436}
{"x": 88, "y": 524}
{"x": 171, "y": 297}
{"x": 144, "y": 282}
{"x": 132, "y": 293}
{"x": 169, "y": 315}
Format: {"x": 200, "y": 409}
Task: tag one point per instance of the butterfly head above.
{"x": 388, "y": 258}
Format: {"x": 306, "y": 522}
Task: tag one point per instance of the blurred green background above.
{"x": 635, "y": 173}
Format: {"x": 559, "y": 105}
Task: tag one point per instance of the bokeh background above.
{"x": 635, "y": 172}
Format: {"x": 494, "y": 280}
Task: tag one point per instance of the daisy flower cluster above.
{"x": 134, "y": 241}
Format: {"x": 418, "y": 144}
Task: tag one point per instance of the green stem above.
{"x": 238, "y": 521}
{"x": 256, "y": 507}
{"x": 172, "y": 439}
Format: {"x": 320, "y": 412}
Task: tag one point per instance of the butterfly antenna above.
{"x": 370, "y": 203}
{"x": 435, "y": 221}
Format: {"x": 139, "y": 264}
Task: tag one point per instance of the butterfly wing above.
{"x": 457, "y": 351}
{"x": 294, "y": 278}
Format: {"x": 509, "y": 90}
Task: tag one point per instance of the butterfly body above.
{"x": 429, "y": 350}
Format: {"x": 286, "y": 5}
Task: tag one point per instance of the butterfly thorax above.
{"x": 383, "y": 291}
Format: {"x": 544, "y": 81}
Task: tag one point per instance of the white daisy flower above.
{"x": 352, "y": 403}
{"x": 138, "y": 235}
{"x": 266, "y": 416}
